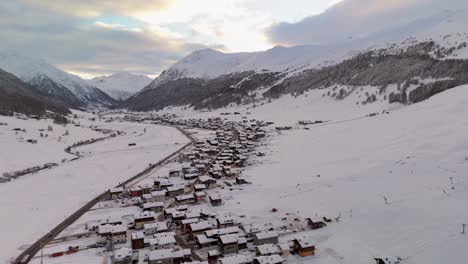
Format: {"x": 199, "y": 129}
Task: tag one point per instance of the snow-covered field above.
{"x": 34, "y": 204}
{"x": 389, "y": 177}
{"x": 398, "y": 181}
{"x": 17, "y": 154}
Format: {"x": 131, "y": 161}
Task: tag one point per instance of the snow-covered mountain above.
{"x": 53, "y": 82}
{"x": 122, "y": 85}
{"x": 446, "y": 27}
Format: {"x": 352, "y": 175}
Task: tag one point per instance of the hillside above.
{"x": 54, "y": 83}
{"x": 432, "y": 48}
{"x": 17, "y": 96}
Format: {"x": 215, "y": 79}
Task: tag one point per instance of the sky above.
{"x": 92, "y": 38}
{"x": 100, "y": 37}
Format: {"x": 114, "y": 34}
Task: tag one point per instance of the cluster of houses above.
{"x": 178, "y": 221}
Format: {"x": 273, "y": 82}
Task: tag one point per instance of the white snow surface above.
{"x": 122, "y": 85}
{"x": 33, "y": 204}
{"x": 28, "y": 69}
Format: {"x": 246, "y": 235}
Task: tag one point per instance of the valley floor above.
{"x": 32, "y": 205}
{"x": 397, "y": 181}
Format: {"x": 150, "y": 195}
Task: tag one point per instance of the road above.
{"x": 32, "y": 250}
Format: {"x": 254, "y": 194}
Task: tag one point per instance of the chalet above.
{"x": 272, "y": 259}
{"x": 162, "y": 242}
{"x": 169, "y": 256}
{"x": 136, "y": 191}
{"x": 137, "y": 240}
{"x": 157, "y": 196}
{"x": 162, "y": 183}
{"x": 315, "y": 224}
{"x": 229, "y": 244}
{"x": 185, "y": 199}
{"x": 174, "y": 173}
{"x": 304, "y": 247}
{"x": 199, "y": 228}
{"x": 240, "y": 180}
{"x": 213, "y": 256}
{"x": 186, "y": 222}
{"x": 146, "y": 188}
{"x": 203, "y": 241}
{"x": 173, "y": 191}
{"x": 116, "y": 193}
{"x": 143, "y": 218}
{"x": 114, "y": 234}
{"x": 199, "y": 187}
{"x": 156, "y": 227}
{"x": 268, "y": 249}
{"x": 153, "y": 206}
{"x": 215, "y": 200}
{"x": 207, "y": 181}
{"x": 200, "y": 196}
{"x": 122, "y": 256}
{"x": 232, "y": 172}
{"x": 190, "y": 176}
{"x": 266, "y": 237}
{"x": 224, "y": 221}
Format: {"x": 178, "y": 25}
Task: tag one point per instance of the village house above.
{"x": 136, "y": 191}
{"x": 207, "y": 181}
{"x": 268, "y": 249}
{"x": 215, "y": 200}
{"x": 143, "y": 218}
{"x": 200, "y": 227}
{"x": 153, "y": 206}
{"x": 169, "y": 256}
{"x": 199, "y": 187}
{"x": 266, "y": 237}
{"x": 146, "y": 188}
{"x": 173, "y": 191}
{"x": 185, "y": 199}
{"x": 304, "y": 247}
{"x": 229, "y": 244}
{"x": 174, "y": 173}
{"x": 137, "y": 240}
{"x": 224, "y": 221}
{"x": 158, "y": 196}
{"x": 200, "y": 196}
{"x": 185, "y": 223}
{"x": 156, "y": 227}
{"x": 213, "y": 256}
{"x": 122, "y": 256}
{"x": 116, "y": 193}
{"x": 315, "y": 224}
{"x": 112, "y": 233}
{"x": 162, "y": 242}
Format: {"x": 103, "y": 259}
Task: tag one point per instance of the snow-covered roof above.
{"x": 273, "y": 259}
{"x": 236, "y": 259}
{"x": 266, "y": 234}
{"x": 306, "y": 242}
{"x": 122, "y": 253}
{"x": 268, "y": 249}
{"x": 229, "y": 239}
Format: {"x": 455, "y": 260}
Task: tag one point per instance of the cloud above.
{"x": 357, "y": 19}
{"x": 89, "y": 46}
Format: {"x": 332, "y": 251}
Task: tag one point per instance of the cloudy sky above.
{"x": 91, "y": 38}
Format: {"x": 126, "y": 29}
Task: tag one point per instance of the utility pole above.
{"x": 463, "y": 229}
